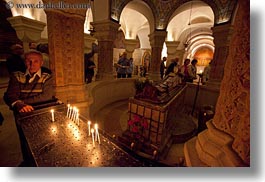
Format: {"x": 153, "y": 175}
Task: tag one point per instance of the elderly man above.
{"x": 27, "y": 88}
{"x": 31, "y": 86}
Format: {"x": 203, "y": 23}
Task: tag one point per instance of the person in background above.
{"x": 162, "y": 67}
{"x": 32, "y": 46}
{"x": 27, "y": 88}
{"x": 44, "y": 49}
{"x": 122, "y": 66}
{"x": 171, "y": 67}
{"x": 206, "y": 73}
{"x": 89, "y": 67}
{"x": 192, "y": 71}
{"x": 183, "y": 71}
{"x": 15, "y": 61}
{"x": 129, "y": 70}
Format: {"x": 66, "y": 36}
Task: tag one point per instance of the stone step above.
{"x": 191, "y": 156}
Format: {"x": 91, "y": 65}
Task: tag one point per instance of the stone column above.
{"x": 222, "y": 37}
{"x": 157, "y": 39}
{"x": 171, "y": 50}
{"x": 66, "y": 51}
{"x": 130, "y": 46}
{"x": 88, "y": 41}
{"x": 226, "y": 141}
{"x": 105, "y": 33}
{"x": 180, "y": 55}
{"x": 27, "y": 30}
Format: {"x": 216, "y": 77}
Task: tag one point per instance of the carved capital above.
{"x": 130, "y": 45}
{"x": 105, "y": 30}
{"x": 172, "y": 46}
{"x": 28, "y": 30}
{"x": 222, "y": 34}
{"x": 157, "y": 38}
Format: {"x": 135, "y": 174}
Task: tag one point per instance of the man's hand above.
{"x": 22, "y": 107}
{"x": 26, "y": 108}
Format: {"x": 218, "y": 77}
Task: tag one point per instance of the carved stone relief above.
{"x": 233, "y": 106}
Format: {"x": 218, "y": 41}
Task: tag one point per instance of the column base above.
{"x": 212, "y": 148}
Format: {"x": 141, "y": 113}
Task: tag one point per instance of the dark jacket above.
{"x": 170, "y": 68}
{"x": 39, "y": 90}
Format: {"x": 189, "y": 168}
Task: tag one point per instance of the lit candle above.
{"x": 70, "y": 112}
{"x": 52, "y": 111}
{"x": 97, "y": 134}
{"x": 74, "y": 114}
{"x": 77, "y": 119}
{"x": 96, "y": 131}
{"x": 68, "y": 109}
{"x": 77, "y": 116}
{"x": 92, "y": 133}
{"x": 201, "y": 71}
{"x": 89, "y": 123}
{"x": 98, "y": 137}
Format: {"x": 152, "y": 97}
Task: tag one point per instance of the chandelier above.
{"x": 187, "y": 42}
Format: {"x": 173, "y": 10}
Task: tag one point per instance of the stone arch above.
{"x": 88, "y": 28}
{"x": 144, "y": 7}
{"x": 222, "y": 10}
{"x": 163, "y": 10}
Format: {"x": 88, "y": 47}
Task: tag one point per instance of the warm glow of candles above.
{"x": 96, "y": 131}
{"x": 89, "y": 123}
{"x": 92, "y": 133}
{"x": 68, "y": 109}
{"x": 77, "y": 119}
{"x": 70, "y": 112}
{"x": 53, "y": 130}
{"x": 52, "y": 111}
{"x": 74, "y": 114}
{"x": 98, "y": 137}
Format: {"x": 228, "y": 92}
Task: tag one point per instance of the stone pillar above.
{"x": 180, "y": 55}
{"x": 130, "y": 47}
{"x": 226, "y": 142}
{"x": 171, "y": 50}
{"x": 66, "y": 51}
{"x": 233, "y": 106}
{"x": 222, "y": 37}
{"x": 88, "y": 41}
{"x": 157, "y": 39}
{"x": 27, "y": 30}
{"x": 105, "y": 33}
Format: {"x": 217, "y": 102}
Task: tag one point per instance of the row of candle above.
{"x": 93, "y": 132}
{"x": 73, "y": 114}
